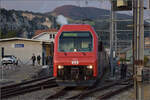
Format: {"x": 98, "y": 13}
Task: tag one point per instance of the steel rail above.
{"x": 60, "y": 93}
{"x": 27, "y": 90}
{"x": 23, "y": 87}
{"x": 90, "y": 91}
{"x": 112, "y": 93}
{"x": 29, "y": 87}
{"x": 23, "y": 83}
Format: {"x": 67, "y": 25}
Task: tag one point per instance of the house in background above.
{"x": 23, "y": 48}
{"x": 127, "y": 53}
{"x": 147, "y": 42}
{"x": 41, "y": 44}
{"x": 48, "y": 34}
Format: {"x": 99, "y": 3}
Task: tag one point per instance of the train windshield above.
{"x": 75, "y": 42}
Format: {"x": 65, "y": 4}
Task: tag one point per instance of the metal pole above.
{"x": 139, "y": 47}
{"x": 115, "y": 34}
{"x": 111, "y": 38}
{"x": 134, "y": 44}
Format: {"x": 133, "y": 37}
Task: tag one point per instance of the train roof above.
{"x": 79, "y": 27}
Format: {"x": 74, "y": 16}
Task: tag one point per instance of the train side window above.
{"x": 100, "y": 46}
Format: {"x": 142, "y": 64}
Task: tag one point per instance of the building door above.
{"x": 2, "y": 52}
{"x": 44, "y": 55}
{"x": 48, "y": 55}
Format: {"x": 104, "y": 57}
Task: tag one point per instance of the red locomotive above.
{"x": 79, "y": 59}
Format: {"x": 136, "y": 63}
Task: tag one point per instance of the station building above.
{"x": 41, "y": 44}
{"x": 46, "y": 35}
{"x": 23, "y": 48}
{"x": 127, "y": 54}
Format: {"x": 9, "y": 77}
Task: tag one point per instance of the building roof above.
{"x": 37, "y": 32}
{"x": 146, "y": 51}
{"x": 42, "y": 32}
{"x": 24, "y": 39}
{"x": 125, "y": 50}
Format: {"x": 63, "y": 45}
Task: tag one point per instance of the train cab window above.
{"x": 75, "y": 42}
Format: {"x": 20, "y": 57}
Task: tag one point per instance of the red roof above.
{"x": 37, "y": 32}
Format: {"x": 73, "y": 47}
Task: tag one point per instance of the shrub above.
{"x": 146, "y": 59}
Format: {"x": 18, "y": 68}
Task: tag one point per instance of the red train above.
{"x": 79, "y": 58}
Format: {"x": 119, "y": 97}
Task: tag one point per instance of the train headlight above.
{"x": 90, "y": 67}
{"x": 60, "y": 67}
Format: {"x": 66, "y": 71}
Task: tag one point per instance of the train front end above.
{"x": 75, "y": 56}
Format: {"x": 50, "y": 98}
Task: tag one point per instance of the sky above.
{"x": 49, "y": 5}
{"x": 43, "y": 6}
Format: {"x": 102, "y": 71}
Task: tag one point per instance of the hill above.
{"x": 99, "y": 19}
{"x": 22, "y": 23}
{"x": 77, "y": 13}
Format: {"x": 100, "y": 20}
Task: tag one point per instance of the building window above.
{"x": 53, "y": 35}
{"x": 50, "y": 36}
{"x": 19, "y": 46}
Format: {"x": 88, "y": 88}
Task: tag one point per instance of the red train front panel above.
{"x": 75, "y": 55}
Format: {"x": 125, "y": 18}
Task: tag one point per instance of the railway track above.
{"x": 60, "y": 93}
{"x": 28, "y": 86}
{"x": 120, "y": 85}
{"x": 114, "y": 92}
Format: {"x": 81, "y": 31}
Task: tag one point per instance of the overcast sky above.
{"x": 49, "y": 5}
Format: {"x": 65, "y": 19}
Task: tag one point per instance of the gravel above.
{"x": 27, "y": 72}
{"x": 16, "y": 74}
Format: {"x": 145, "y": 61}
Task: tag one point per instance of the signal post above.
{"x": 138, "y": 39}
{"x": 138, "y": 47}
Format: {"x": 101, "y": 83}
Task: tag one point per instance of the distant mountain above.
{"x": 22, "y": 23}
{"x": 99, "y": 19}
{"x": 77, "y": 13}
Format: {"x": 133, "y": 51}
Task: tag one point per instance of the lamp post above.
{"x": 112, "y": 27}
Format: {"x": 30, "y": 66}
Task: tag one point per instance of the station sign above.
{"x": 19, "y": 45}
{"x": 122, "y": 5}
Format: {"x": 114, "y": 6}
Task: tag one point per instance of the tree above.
{"x": 9, "y": 34}
{"x": 146, "y": 59}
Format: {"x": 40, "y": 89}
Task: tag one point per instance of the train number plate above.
{"x": 75, "y": 62}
